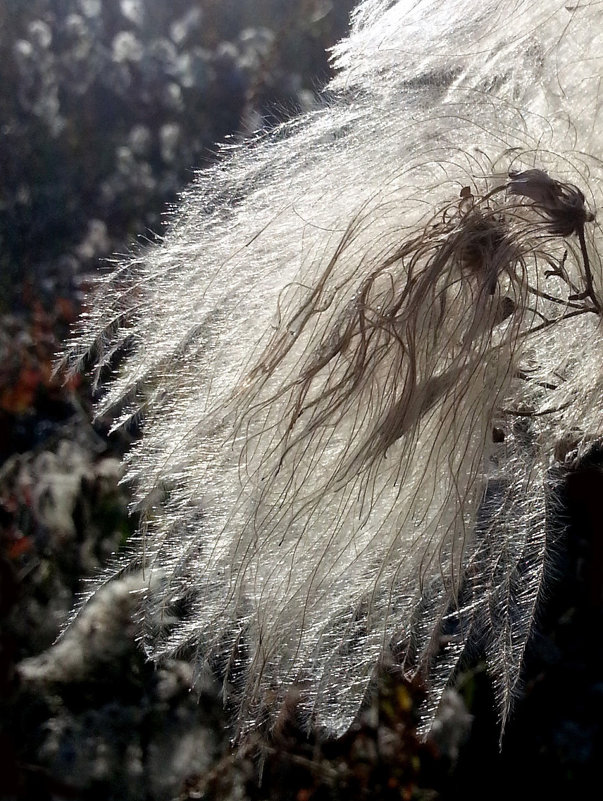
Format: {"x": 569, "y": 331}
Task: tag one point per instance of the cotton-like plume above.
{"x": 363, "y": 353}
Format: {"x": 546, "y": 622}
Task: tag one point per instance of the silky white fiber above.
{"x": 363, "y": 353}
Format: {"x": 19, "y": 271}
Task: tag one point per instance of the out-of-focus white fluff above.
{"x": 356, "y": 353}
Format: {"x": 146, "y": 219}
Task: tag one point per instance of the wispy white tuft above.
{"x": 359, "y": 353}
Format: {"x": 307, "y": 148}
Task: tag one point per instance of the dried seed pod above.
{"x": 563, "y": 205}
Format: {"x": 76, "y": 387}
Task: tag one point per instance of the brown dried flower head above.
{"x": 562, "y": 204}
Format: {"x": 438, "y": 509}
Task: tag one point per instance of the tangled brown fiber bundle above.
{"x": 422, "y": 318}
{"x": 413, "y": 347}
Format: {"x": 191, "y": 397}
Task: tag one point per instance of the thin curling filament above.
{"x": 356, "y": 352}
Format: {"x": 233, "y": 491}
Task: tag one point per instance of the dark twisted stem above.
{"x": 589, "y": 292}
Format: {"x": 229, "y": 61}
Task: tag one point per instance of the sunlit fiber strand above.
{"x": 356, "y": 353}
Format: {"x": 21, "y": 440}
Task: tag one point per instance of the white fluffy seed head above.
{"x": 354, "y": 353}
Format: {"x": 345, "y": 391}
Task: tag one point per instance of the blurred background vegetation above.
{"x": 108, "y": 107}
{"x": 106, "y": 110}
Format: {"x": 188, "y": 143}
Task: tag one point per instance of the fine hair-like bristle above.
{"x": 355, "y": 353}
